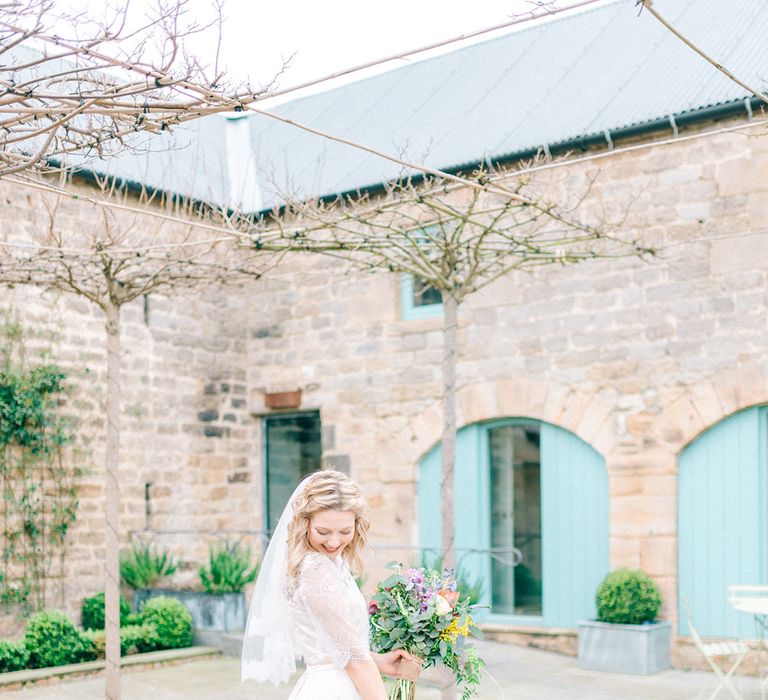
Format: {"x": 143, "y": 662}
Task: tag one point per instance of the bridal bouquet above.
{"x": 420, "y": 610}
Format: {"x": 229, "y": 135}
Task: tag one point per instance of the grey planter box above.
{"x": 635, "y": 649}
{"x": 219, "y": 612}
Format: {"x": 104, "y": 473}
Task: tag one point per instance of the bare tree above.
{"x": 457, "y": 240}
{"x": 145, "y": 243}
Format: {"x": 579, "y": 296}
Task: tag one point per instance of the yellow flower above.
{"x": 451, "y": 633}
{"x": 464, "y": 629}
{"x": 456, "y": 630}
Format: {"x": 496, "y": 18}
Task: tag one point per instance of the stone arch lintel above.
{"x": 589, "y": 416}
{"x": 702, "y": 405}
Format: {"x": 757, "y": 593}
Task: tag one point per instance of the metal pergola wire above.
{"x": 507, "y": 556}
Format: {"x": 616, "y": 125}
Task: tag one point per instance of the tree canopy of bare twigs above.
{"x": 457, "y": 240}
{"x": 110, "y": 256}
{"x": 71, "y": 86}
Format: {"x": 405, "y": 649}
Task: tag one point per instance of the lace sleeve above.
{"x": 341, "y": 627}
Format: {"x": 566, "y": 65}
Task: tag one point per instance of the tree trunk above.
{"x": 112, "y": 505}
{"x": 450, "y": 352}
{"x": 448, "y": 461}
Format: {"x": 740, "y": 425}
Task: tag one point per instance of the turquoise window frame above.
{"x": 411, "y": 311}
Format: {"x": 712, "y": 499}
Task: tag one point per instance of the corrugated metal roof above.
{"x": 570, "y": 77}
{"x": 193, "y": 161}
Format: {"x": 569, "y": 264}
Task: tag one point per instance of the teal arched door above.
{"x": 722, "y": 521}
{"x": 535, "y": 487}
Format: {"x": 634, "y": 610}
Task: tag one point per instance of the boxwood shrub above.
{"x": 93, "y": 612}
{"x": 171, "y": 620}
{"x": 98, "y": 641}
{"x": 53, "y": 640}
{"x": 134, "y": 639}
{"x": 14, "y": 656}
{"x": 627, "y": 597}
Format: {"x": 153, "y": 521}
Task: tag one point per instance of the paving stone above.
{"x": 514, "y": 673}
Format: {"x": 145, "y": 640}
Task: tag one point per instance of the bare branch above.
{"x": 648, "y": 5}
{"x": 93, "y": 91}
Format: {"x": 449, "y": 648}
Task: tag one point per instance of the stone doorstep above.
{"x": 491, "y": 628}
{"x": 16, "y": 680}
{"x": 561, "y": 640}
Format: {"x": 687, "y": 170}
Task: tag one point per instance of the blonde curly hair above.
{"x": 327, "y": 490}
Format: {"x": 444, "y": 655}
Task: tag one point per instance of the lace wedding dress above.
{"x": 330, "y": 628}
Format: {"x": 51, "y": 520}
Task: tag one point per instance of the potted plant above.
{"x": 626, "y": 637}
{"x": 144, "y": 566}
{"x": 224, "y": 579}
{"x": 221, "y": 606}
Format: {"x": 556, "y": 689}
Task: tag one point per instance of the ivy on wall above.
{"x": 38, "y": 481}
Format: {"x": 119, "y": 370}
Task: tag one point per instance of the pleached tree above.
{"x": 457, "y": 236}
{"x": 111, "y": 246}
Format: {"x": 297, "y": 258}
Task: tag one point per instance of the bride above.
{"x": 306, "y": 602}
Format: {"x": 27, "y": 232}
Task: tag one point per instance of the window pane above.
{"x": 516, "y": 518}
{"x": 293, "y": 450}
{"x": 424, "y": 294}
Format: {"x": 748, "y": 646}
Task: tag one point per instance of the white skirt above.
{"x": 324, "y": 682}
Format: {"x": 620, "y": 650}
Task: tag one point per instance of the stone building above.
{"x": 612, "y": 414}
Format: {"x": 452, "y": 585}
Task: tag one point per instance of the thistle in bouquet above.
{"x": 420, "y": 610}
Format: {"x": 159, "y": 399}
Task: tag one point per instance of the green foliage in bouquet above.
{"x": 229, "y": 569}
{"x": 627, "y": 597}
{"x": 145, "y": 565}
{"x": 93, "y": 612}
{"x": 422, "y": 611}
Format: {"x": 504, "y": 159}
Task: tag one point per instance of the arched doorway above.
{"x": 530, "y": 485}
